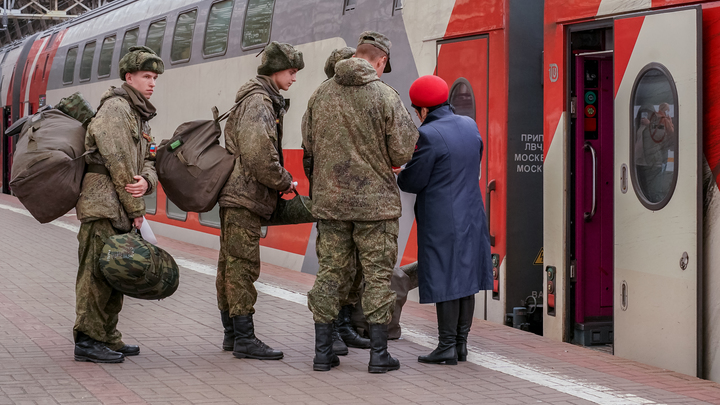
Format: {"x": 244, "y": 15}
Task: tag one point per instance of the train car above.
{"x": 490, "y": 54}
{"x": 630, "y": 179}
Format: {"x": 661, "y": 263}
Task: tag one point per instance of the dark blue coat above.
{"x": 453, "y": 241}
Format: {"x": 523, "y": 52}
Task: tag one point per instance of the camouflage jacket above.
{"x": 354, "y": 130}
{"x": 122, "y": 142}
{"x": 253, "y": 132}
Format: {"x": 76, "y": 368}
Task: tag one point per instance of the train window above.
{"x": 87, "y": 60}
{"x": 155, "y": 36}
{"x": 173, "y": 212}
{"x": 350, "y": 5}
{"x": 183, "y": 38}
{"x": 51, "y": 40}
{"x": 258, "y": 21}
{"x": 106, "y": 53}
{"x": 653, "y": 136}
{"x": 211, "y": 218}
{"x": 130, "y": 39}
{"x": 462, "y": 98}
{"x": 398, "y": 5}
{"x": 217, "y": 28}
{"x": 69, "y": 70}
{"x": 151, "y": 203}
{"x": 3, "y": 57}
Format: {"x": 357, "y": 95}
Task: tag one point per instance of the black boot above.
{"x": 338, "y": 345}
{"x": 324, "y": 359}
{"x": 89, "y": 349}
{"x": 129, "y": 350}
{"x": 380, "y": 359}
{"x": 447, "y": 315}
{"x": 346, "y": 330}
{"x": 467, "y": 309}
{"x": 229, "y": 337}
{"x": 247, "y": 345}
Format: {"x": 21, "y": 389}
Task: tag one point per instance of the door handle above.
{"x": 491, "y": 188}
{"x": 589, "y": 215}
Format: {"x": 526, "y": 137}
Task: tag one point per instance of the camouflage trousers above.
{"x": 239, "y": 262}
{"x": 97, "y": 304}
{"x": 356, "y": 288}
{"x": 337, "y": 241}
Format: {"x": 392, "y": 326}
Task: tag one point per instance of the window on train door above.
{"x": 106, "y": 53}
{"x": 151, "y": 203}
{"x": 174, "y": 212}
{"x": 654, "y": 144}
{"x": 86, "y": 61}
{"x": 349, "y": 5}
{"x": 130, "y": 39}
{"x": 155, "y": 36}
{"x": 183, "y": 37}
{"x": 211, "y": 218}
{"x": 258, "y": 21}
{"x": 217, "y": 28}
{"x": 69, "y": 69}
{"x": 462, "y": 98}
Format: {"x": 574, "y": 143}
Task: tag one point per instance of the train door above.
{"x": 463, "y": 64}
{"x": 658, "y": 205}
{"x": 6, "y": 149}
{"x": 592, "y": 264}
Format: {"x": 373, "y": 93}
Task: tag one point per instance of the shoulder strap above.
{"x": 228, "y": 112}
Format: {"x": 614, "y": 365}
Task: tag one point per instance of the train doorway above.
{"x": 6, "y": 150}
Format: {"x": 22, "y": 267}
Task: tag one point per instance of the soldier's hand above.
{"x": 137, "y": 222}
{"x": 138, "y": 189}
{"x": 397, "y": 170}
{"x": 290, "y": 189}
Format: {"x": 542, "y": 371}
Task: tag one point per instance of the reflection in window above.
{"x": 258, "y": 20}
{"x": 130, "y": 39}
{"x": 106, "y": 53}
{"x": 654, "y": 136}
{"x": 462, "y": 98}
{"x": 350, "y": 5}
{"x": 174, "y": 212}
{"x": 151, "y": 203}
{"x": 69, "y": 71}
{"x": 218, "y": 26}
{"x": 182, "y": 41}
{"x": 87, "y": 60}
{"x": 155, "y": 36}
{"x": 211, "y": 218}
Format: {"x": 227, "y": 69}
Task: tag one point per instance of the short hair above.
{"x": 369, "y": 52}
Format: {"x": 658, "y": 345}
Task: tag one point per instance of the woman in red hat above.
{"x": 454, "y": 260}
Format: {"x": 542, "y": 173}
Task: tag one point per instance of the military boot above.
{"x": 338, "y": 345}
{"x": 467, "y": 309}
{"x": 228, "y": 343}
{"x": 324, "y": 359}
{"x": 89, "y": 349}
{"x": 247, "y": 345}
{"x": 129, "y": 350}
{"x": 346, "y": 330}
{"x": 447, "y": 316}
{"x": 380, "y": 359}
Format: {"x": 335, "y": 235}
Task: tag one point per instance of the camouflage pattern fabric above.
{"x": 298, "y": 210}
{"x": 254, "y": 132}
{"x": 138, "y": 268}
{"x": 278, "y": 56}
{"x": 121, "y": 140}
{"x": 376, "y": 242}
{"x": 379, "y": 41}
{"x": 336, "y": 56}
{"x": 77, "y": 107}
{"x": 354, "y": 292}
{"x": 97, "y": 303}
{"x": 355, "y": 130}
{"x": 239, "y": 262}
{"x": 141, "y": 59}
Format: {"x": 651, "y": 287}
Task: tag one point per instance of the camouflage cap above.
{"x": 380, "y": 41}
{"x": 141, "y": 59}
{"x": 336, "y": 56}
{"x": 277, "y": 57}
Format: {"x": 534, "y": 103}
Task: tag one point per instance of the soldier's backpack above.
{"x": 137, "y": 268}
{"x": 48, "y": 164}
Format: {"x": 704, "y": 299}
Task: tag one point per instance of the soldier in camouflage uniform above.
{"x": 121, "y": 171}
{"x": 355, "y": 130}
{"x": 254, "y": 132}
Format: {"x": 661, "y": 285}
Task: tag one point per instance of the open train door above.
{"x": 658, "y": 205}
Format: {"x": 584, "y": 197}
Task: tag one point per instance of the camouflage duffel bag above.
{"x": 291, "y": 212}
{"x": 137, "y": 268}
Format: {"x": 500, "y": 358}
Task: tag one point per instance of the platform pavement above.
{"x": 181, "y": 361}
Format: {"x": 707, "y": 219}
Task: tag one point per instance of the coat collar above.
{"x": 438, "y": 114}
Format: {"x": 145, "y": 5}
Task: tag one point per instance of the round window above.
{"x": 462, "y": 98}
{"x": 653, "y": 136}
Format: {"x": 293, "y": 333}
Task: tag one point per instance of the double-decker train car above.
{"x": 631, "y": 217}
{"x": 489, "y": 52}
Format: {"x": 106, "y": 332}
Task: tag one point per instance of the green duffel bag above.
{"x": 137, "y": 268}
{"x": 291, "y": 212}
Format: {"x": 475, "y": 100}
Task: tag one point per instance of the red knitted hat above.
{"x": 428, "y": 91}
